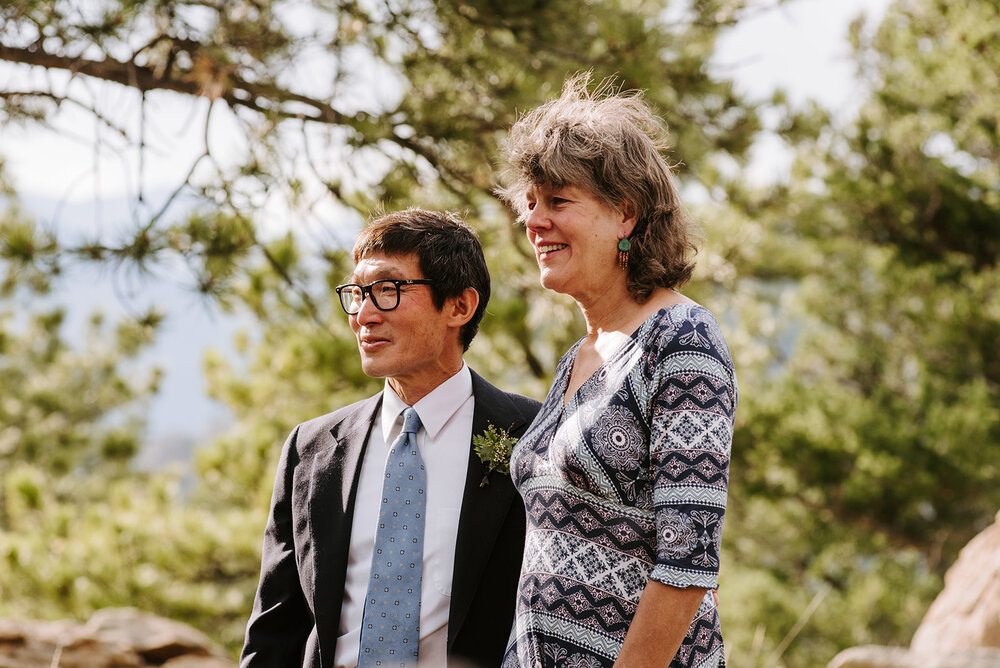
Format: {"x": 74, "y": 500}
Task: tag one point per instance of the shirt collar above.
{"x": 434, "y": 410}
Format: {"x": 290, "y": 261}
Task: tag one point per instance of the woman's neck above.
{"x": 608, "y": 311}
{"x": 618, "y": 311}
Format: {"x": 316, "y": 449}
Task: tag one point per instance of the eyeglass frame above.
{"x": 366, "y": 292}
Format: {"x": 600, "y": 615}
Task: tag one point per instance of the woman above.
{"x": 624, "y": 471}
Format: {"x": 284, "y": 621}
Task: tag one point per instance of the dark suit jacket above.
{"x": 296, "y": 613}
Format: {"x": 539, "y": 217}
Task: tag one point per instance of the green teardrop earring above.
{"x": 623, "y": 247}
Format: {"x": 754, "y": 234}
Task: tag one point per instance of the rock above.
{"x": 873, "y": 656}
{"x": 27, "y": 644}
{"x": 115, "y": 638}
{"x": 966, "y": 614}
{"x": 155, "y": 638}
{"x": 198, "y": 662}
{"x": 977, "y": 658}
{"x": 961, "y": 628}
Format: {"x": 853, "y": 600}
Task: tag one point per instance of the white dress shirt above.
{"x": 444, "y": 441}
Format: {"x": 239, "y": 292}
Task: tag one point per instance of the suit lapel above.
{"x": 483, "y": 508}
{"x": 333, "y": 487}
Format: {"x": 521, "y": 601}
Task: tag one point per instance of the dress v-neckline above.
{"x": 565, "y": 401}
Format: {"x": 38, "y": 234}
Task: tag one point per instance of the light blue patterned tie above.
{"x": 390, "y": 629}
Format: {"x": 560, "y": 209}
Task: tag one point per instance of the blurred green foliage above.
{"x": 860, "y": 296}
{"x": 868, "y": 447}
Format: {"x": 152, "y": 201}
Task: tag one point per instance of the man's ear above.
{"x": 463, "y": 307}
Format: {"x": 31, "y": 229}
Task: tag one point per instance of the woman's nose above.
{"x": 536, "y": 218}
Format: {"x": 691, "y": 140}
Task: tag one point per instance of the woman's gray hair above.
{"x": 609, "y": 142}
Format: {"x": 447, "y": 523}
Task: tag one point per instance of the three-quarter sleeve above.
{"x": 691, "y": 431}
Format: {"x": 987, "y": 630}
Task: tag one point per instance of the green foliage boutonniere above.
{"x": 494, "y": 447}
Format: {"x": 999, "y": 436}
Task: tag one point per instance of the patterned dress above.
{"x": 624, "y": 483}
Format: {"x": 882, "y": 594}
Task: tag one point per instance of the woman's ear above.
{"x": 629, "y": 216}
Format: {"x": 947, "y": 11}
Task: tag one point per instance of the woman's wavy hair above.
{"x": 609, "y": 142}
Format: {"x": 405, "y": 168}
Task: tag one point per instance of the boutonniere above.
{"x": 493, "y": 447}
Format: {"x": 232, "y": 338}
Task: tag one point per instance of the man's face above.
{"x": 412, "y": 344}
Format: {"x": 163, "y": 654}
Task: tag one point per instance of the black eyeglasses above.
{"x": 384, "y": 293}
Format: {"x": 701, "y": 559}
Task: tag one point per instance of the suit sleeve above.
{"x": 280, "y": 621}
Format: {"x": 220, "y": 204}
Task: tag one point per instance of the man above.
{"x": 377, "y": 521}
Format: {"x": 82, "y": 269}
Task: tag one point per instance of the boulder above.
{"x": 872, "y": 656}
{"x": 155, "y": 638}
{"x": 30, "y": 644}
{"x": 114, "y": 638}
{"x": 198, "y": 662}
{"x": 966, "y": 615}
{"x": 961, "y": 628}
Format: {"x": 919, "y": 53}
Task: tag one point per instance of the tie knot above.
{"x": 411, "y": 421}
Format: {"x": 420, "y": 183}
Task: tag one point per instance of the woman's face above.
{"x": 575, "y": 236}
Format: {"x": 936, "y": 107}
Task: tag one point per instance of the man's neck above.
{"x": 413, "y": 389}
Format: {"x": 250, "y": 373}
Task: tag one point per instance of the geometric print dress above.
{"x": 624, "y": 483}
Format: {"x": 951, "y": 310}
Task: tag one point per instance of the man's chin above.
{"x": 373, "y": 368}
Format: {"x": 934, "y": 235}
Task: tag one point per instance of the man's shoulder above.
{"x": 363, "y": 409}
{"x": 489, "y": 392}
{"x": 525, "y": 403}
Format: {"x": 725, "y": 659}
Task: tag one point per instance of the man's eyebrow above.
{"x": 378, "y": 275}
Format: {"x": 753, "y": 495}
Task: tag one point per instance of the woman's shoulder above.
{"x": 686, "y": 327}
{"x": 685, "y": 341}
{"x": 671, "y": 320}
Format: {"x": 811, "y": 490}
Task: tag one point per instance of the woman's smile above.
{"x": 547, "y": 249}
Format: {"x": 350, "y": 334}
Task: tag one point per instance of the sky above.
{"x": 78, "y": 174}
{"x": 800, "y": 46}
